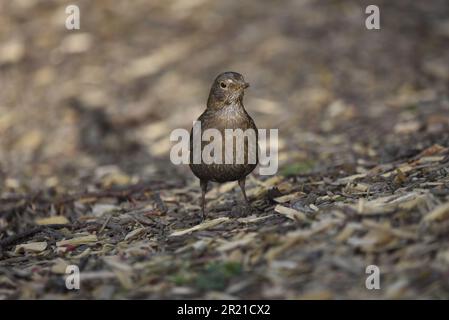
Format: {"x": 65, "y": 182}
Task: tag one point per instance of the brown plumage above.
{"x": 225, "y": 110}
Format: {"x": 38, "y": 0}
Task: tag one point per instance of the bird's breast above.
{"x": 243, "y": 150}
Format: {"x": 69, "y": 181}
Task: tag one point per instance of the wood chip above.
{"x": 291, "y": 213}
{"x": 439, "y": 213}
{"x": 254, "y": 218}
{"x": 100, "y": 209}
{"x": 52, "y": 220}
{"x": 289, "y": 197}
{"x": 205, "y": 225}
{"x": 78, "y": 241}
{"x": 135, "y": 233}
{"x": 60, "y": 266}
{"x": 31, "y": 247}
{"x": 230, "y": 245}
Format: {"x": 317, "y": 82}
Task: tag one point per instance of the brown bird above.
{"x": 225, "y": 110}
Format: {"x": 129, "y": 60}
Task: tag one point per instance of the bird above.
{"x": 225, "y": 110}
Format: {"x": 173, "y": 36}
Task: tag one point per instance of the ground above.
{"x": 86, "y": 180}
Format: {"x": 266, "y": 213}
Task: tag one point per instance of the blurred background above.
{"x": 111, "y": 92}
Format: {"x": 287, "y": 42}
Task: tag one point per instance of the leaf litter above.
{"x": 363, "y": 176}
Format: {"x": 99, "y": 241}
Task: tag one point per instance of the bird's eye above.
{"x": 223, "y": 85}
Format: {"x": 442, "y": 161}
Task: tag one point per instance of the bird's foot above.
{"x": 203, "y": 217}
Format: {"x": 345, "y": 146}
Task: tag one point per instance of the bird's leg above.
{"x": 203, "y": 184}
{"x": 242, "y": 186}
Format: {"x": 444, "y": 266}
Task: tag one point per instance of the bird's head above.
{"x": 227, "y": 88}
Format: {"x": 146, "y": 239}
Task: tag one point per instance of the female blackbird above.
{"x": 225, "y": 110}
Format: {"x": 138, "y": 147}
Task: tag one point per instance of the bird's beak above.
{"x": 245, "y": 85}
